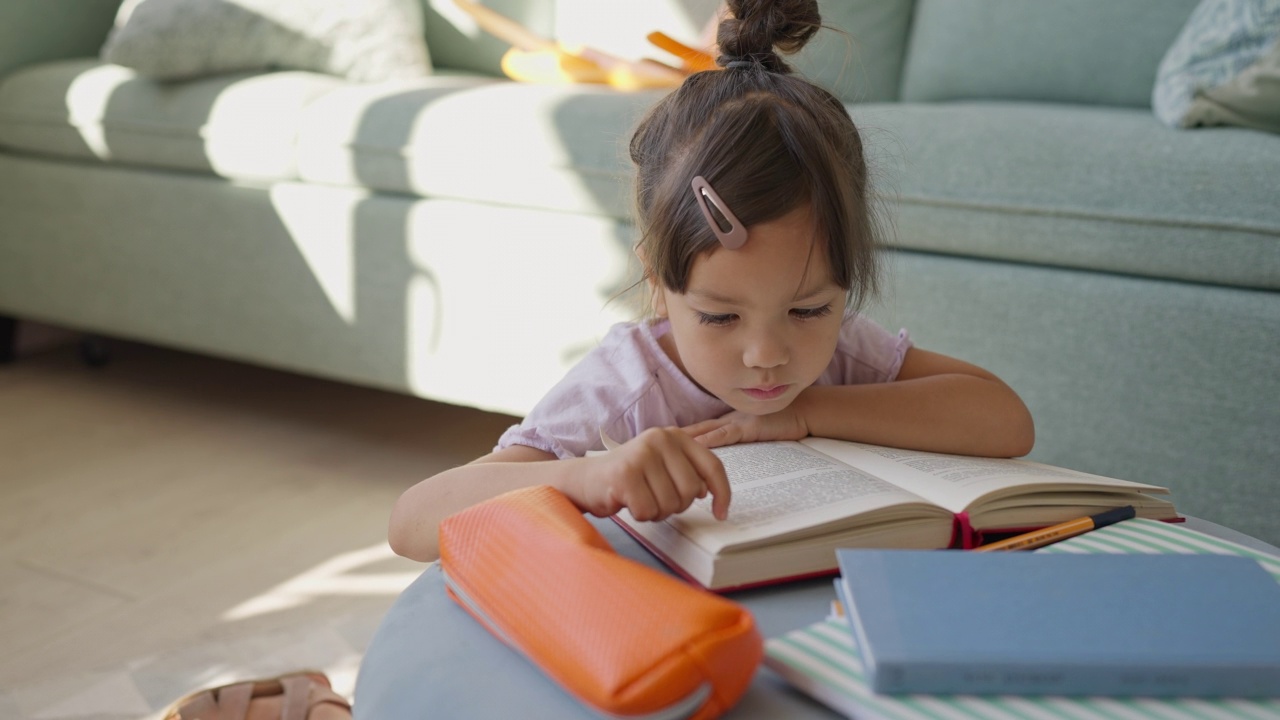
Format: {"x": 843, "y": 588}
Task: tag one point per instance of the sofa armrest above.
{"x": 33, "y": 31}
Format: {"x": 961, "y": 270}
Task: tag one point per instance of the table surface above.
{"x": 430, "y": 658}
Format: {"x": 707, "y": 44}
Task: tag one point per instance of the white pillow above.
{"x": 361, "y": 40}
{"x": 1220, "y": 40}
{"x": 1250, "y": 99}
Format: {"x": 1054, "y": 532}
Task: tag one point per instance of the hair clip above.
{"x": 731, "y": 237}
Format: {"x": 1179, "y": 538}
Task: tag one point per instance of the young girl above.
{"x": 758, "y": 243}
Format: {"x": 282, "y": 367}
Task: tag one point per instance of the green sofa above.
{"x": 464, "y": 238}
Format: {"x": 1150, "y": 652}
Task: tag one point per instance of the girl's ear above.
{"x": 657, "y": 298}
{"x": 638, "y": 249}
{"x": 659, "y": 301}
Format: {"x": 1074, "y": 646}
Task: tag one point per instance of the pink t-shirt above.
{"x": 628, "y": 384}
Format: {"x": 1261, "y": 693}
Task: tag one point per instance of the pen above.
{"x": 1061, "y": 531}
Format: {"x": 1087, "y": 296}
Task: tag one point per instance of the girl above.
{"x": 758, "y": 243}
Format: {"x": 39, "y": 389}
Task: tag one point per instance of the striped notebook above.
{"x": 822, "y": 660}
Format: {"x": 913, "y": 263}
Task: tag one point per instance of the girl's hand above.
{"x": 658, "y": 473}
{"x": 739, "y": 427}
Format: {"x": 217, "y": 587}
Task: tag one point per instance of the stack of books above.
{"x": 1138, "y": 619}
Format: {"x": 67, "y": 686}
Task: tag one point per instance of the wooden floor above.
{"x": 171, "y": 521}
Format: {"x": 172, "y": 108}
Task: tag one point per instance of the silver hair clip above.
{"x": 731, "y": 237}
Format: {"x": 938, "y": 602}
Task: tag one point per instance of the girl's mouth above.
{"x": 767, "y": 392}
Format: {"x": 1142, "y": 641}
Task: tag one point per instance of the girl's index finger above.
{"x": 720, "y": 499}
{"x": 712, "y": 472}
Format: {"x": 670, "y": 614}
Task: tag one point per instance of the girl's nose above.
{"x": 764, "y": 351}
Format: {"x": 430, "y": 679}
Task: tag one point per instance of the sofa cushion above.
{"x": 1107, "y": 189}
{"x": 857, "y": 55}
{"x": 457, "y": 42}
{"x": 859, "y": 52}
{"x": 473, "y": 138}
{"x": 1086, "y": 51}
{"x": 35, "y": 32}
{"x": 236, "y": 126}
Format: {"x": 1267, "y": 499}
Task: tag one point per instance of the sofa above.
{"x": 464, "y": 238}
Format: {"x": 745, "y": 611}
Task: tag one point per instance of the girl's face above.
{"x": 758, "y": 324}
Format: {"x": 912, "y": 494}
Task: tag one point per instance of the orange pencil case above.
{"x": 624, "y": 639}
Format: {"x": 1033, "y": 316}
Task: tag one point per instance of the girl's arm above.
{"x": 937, "y": 403}
{"x": 416, "y": 516}
{"x": 658, "y": 473}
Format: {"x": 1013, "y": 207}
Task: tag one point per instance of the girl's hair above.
{"x": 766, "y": 141}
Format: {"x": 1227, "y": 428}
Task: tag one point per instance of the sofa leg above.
{"x": 95, "y": 350}
{"x": 8, "y": 339}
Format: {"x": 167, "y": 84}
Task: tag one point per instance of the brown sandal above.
{"x": 302, "y": 692}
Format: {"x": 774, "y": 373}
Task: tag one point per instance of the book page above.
{"x": 781, "y": 488}
{"x": 957, "y": 481}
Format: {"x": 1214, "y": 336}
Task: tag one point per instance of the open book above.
{"x": 794, "y": 503}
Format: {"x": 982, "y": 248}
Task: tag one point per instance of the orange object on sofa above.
{"x": 623, "y": 638}
{"x": 533, "y": 58}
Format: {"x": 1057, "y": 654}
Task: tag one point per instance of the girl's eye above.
{"x": 811, "y": 313}
{"x": 709, "y": 319}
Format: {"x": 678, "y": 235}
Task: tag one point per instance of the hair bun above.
{"x": 757, "y": 29}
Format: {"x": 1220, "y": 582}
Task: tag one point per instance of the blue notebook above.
{"x": 1166, "y": 625}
